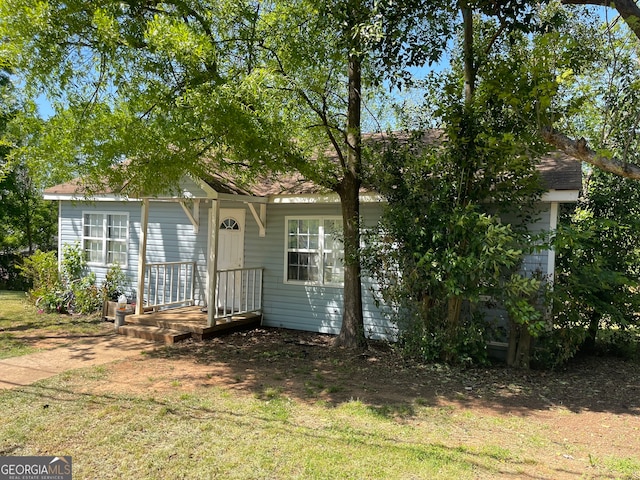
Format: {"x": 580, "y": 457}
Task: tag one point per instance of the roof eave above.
{"x": 74, "y": 197}
{"x": 560, "y": 196}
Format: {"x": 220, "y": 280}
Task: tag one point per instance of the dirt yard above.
{"x": 591, "y": 405}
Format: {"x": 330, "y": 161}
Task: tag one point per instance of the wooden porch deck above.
{"x": 175, "y": 324}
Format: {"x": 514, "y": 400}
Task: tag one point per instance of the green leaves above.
{"x": 598, "y": 255}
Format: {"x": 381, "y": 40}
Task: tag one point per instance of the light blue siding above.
{"x": 171, "y": 237}
{"x": 71, "y": 233}
{"x": 307, "y": 307}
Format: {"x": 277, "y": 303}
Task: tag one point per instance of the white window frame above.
{"x": 321, "y": 251}
{"x": 104, "y": 239}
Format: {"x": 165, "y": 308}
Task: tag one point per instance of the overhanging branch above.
{"x": 579, "y": 150}
{"x": 628, "y": 10}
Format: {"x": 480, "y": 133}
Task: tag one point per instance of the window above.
{"x": 229, "y": 224}
{"x": 314, "y": 251}
{"x": 104, "y": 238}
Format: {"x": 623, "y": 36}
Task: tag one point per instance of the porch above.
{"x": 170, "y": 314}
{"x": 232, "y": 292}
{"x": 181, "y": 323}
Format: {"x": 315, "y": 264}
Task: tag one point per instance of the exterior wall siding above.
{"x": 171, "y": 238}
{"x": 307, "y": 307}
{"x": 71, "y": 233}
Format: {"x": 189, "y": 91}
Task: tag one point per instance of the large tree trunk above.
{"x": 352, "y": 330}
{"x": 469, "y": 63}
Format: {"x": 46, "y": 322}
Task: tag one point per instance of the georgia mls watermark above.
{"x": 35, "y": 468}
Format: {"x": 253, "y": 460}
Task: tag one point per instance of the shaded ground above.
{"x": 589, "y": 408}
{"x": 591, "y": 405}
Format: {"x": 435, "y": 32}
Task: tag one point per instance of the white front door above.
{"x": 230, "y": 255}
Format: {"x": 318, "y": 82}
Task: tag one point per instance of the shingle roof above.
{"x": 558, "y": 171}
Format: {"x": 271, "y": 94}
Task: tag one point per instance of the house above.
{"x": 271, "y": 251}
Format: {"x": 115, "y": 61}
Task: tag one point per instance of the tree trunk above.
{"x": 28, "y": 224}
{"x": 454, "y": 306}
{"x": 519, "y": 350}
{"x": 523, "y": 357}
{"x": 589, "y": 344}
{"x": 512, "y": 349}
{"x": 469, "y": 64}
{"x": 352, "y": 330}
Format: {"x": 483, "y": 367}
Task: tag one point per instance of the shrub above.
{"x": 114, "y": 284}
{"x": 87, "y": 298}
{"x": 435, "y": 342}
{"x": 73, "y": 264}
{"x": 41, "y": 269}
{"x": 622, "y": 343}
{"x": 70, "y": 292}
{"x": 11, "y": 277}
{"x": 557, "y": 346}
{"x": 54, "y": 301}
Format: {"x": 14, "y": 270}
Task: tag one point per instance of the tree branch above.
{"x": 579, "y": 150}
{"x": 628, "y": 10}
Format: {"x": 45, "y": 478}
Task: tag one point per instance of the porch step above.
{"x": 238, "y": 322}
{"x": 178, "y": 323}
{"x": 167, "y": 336}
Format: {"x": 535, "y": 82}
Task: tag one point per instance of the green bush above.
{"x": 429, "y": 338}
{"x": 73, "y": 264}
{"x": 622, "y": 343}
{"x": 73, "y": 291}
{"x": 555, "y": 347}
{"x": 41, "y": 269}
{"x": 87, "y": 298}
{"x": 114, "y": 284}
{"x": 54, "y": 301}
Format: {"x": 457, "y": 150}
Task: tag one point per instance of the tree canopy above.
{"x": 249, "y": 87}
{"x": 581, "y": 145}
{"x": 26, "y": 221}
{"x": 244, "y": 87}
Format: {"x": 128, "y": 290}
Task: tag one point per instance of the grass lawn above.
{"x": 270, "y": 405}
{"x": 213, "y": 432}
{"x": 22, "y": 327}
{"x": 216, "y": 434}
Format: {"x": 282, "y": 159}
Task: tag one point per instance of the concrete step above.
{"x": 157, "y": 334}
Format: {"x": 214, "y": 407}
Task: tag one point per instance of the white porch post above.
{"x": 142, "y": 255}
{"x": 212, "y": 266}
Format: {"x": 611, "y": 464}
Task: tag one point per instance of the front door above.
{"x": 230, "y": 256}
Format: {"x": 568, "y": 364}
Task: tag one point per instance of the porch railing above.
{"x": 169, "y": 284}
{"x": 238, "y": 291}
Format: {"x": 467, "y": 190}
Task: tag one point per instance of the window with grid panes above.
{"x": 104, "y": 238}
{"x": 315, "y": 251}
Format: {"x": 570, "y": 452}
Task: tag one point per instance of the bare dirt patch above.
{"x": 46, "y": 338}
{"x": 589, "y": 408}
{"x": 593, "y": 402}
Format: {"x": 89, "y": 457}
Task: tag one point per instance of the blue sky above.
{"x": 607, "y": 14}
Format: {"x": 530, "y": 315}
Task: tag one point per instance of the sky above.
{"x": 45, "y": 108}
